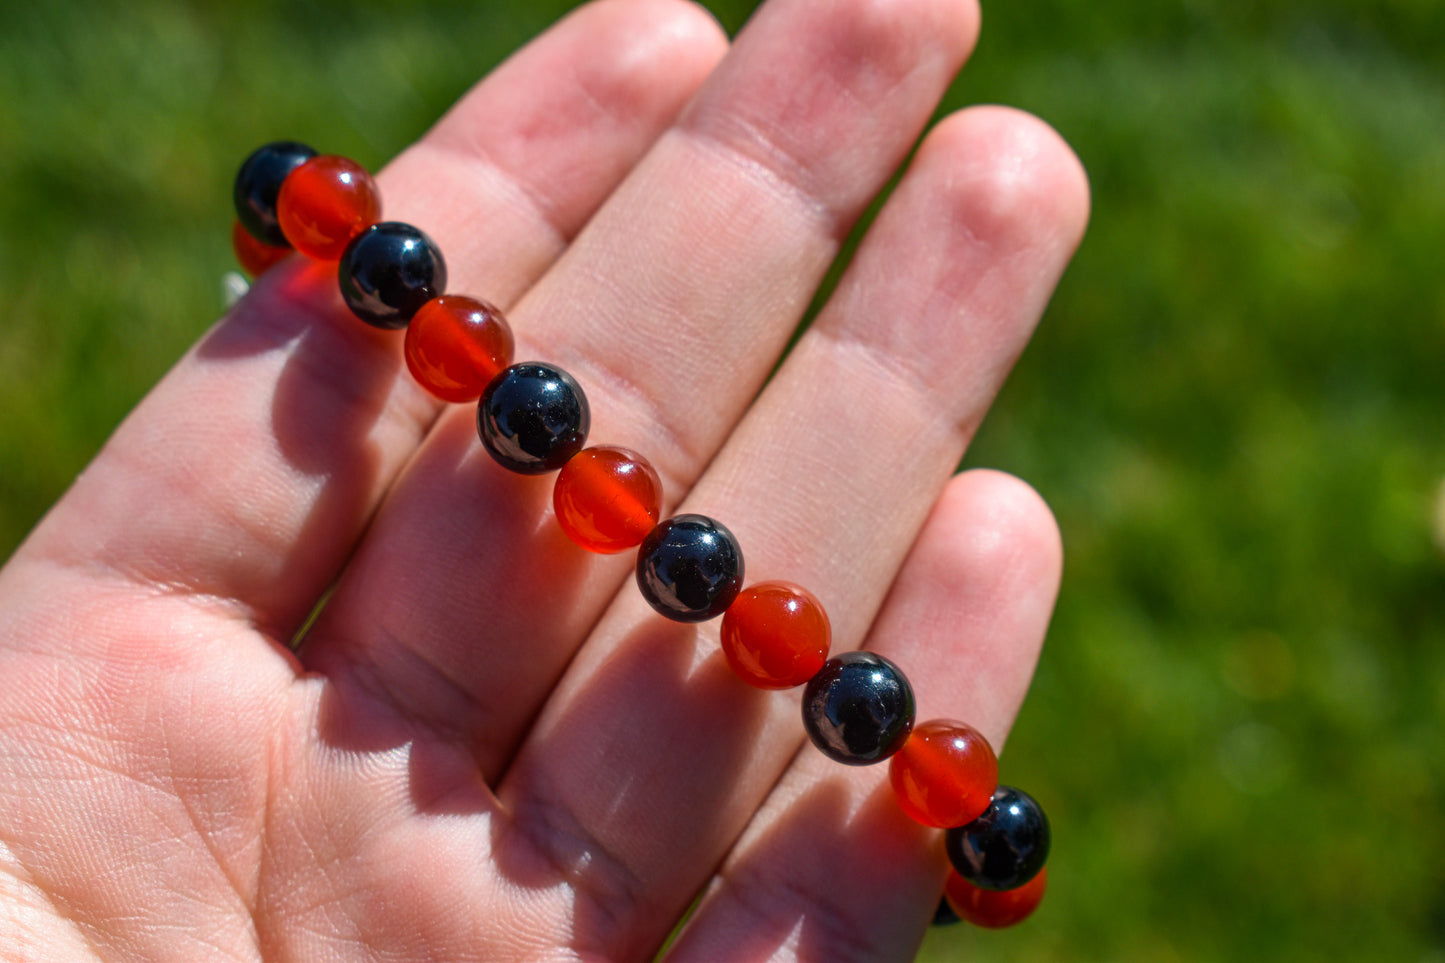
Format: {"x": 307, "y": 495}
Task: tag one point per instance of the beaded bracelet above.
{"x": 533, "y": 418}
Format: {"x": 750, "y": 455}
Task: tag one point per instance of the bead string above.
{"x": 533, "y": 418}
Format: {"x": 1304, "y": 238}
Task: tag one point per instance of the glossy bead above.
{"x": 259, "y": 181}
{"x": 776, "y": 635}
{"x": 455, "y": 345}
{"x": 690, "y": 568}
{"x": 254, "y": 256}
{"x": 325, "y": 203}
{"x": 388, "y": 272}
{"x": 994, "y": 908}
{"x": 1006, "y": 846}
{"x": 858, "y": 709}
{"x": 945, "y": 774}
{"x": 607, "y": 499}
{"x": 532, "y": 418}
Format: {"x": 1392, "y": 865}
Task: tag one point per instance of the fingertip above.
{"x": 688, "y": 21}
{"x": 1004, "y": 526}
{"x": 1014, "y": 179}
{"x": 654, "y": 46}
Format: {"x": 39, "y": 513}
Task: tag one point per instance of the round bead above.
{"x": 455, "y": 345}
{"x": 776, "y": 635}
{"x": 858, "y": 709}
{"x": 607, "y": 499}
{"x": 945, "y": 774}
{"x": 389, "y": 271}
{"x": 993, "y": 908}
{"x": 254, "y": 256}
{"x": 259, "y": 181}
{"x": 690, "y": 568}
{"x": 325, "y": 203}
{"x": 1006, "y": 846}
{"x": 532, "y": 418}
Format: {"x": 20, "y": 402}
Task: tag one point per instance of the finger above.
{"x": 250, "y": 472}
{"x": 830, "y": 868}
{"x": 670, "y": 309}
{"x": 825, "y": 483}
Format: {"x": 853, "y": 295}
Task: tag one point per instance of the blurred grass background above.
{"x": 1234, "y": 404}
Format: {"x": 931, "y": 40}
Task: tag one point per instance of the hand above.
{"x": 487, "y": 746}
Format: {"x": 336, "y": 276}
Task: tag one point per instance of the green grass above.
{"x": 1234, "y": 404}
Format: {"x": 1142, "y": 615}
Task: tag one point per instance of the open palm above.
{"x": 487, "y": 746}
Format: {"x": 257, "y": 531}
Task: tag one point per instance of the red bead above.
{"x": 325, "y": 203}
{"x": 455, "y": 345}
{"x": 776, "y": 635}
{"x": 945, "y": 774}
{"x": 994, "y": 908}
{"x": 607, "y": 499}
{"x": 254, "y": 256}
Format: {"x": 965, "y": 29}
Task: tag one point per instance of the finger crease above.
{"x": 901, "y": 373}
{"x": 766, "y": 162}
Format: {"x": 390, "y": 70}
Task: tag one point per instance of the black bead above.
{"x": 690, "y": 568}
{"x": 859, "y": 708}
{"x": 259, "y": 181}
{"x": 944, "y": 915}
{"x": 390, "y": 270}
{"x": 1006, "y": 846}
{"x": 533, "y": 417}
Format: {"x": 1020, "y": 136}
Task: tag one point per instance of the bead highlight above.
{"x": 1006, "y": 846}
{"x": 532, "y": 418}
{"x": 858, "y": 709}
{"x": 690, "y": 568}
{"x": 325, "y": 203}
{"x": 776, "y": 635}
{"x": 607, "y": 499}
{"x": 945, "y": 774}
{"x": 388, "y": 272}
{"x": 455, "y": 345}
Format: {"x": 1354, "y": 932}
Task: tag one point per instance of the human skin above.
{"x": 487, "y": 746}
